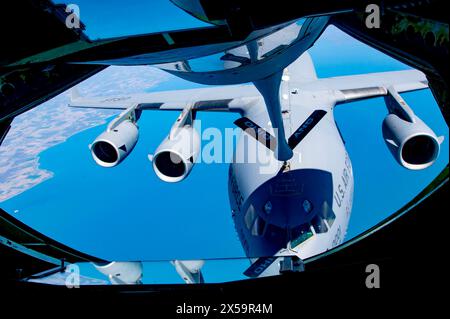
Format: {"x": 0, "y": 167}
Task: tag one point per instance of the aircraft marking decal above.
{"x": 257, "y": 132}
{"x": 305, "y": 128}
{"x": 258, "y": 267}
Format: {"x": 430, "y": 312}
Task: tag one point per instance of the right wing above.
{"x": 363, "y": 86}
{"x": 233, "y": 98}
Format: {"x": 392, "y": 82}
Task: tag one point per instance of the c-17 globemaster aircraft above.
{"x": 296, "y": 198}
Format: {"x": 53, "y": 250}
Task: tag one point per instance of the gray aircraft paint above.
{"x": 320, "y": 171}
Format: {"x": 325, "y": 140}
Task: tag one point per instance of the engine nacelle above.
{"x": 112, "y": 146}
{"x": 413, "y": 144}
{"x": 176, "y": 155}
{"x": 190, "y": 270}
{"x": 194, "y": 266}
{"x": 122, "y": 272}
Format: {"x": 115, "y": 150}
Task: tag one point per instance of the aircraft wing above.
{"x": 222, "y": 98}
{"x": 357, "y": 87}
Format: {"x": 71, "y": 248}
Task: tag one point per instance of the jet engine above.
{"x": 190, "y": 270}
{"x": 122, "y": 272}
{"x": 413, "y": 144}
{"x": 113, "y": 145}
{"x": 176, "y": 155}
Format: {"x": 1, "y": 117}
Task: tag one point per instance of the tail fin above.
{"x": 302, "y": 69}
{"x": 74, "y": 94}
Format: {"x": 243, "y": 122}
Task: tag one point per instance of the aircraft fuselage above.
{"x": 304, "y": 204}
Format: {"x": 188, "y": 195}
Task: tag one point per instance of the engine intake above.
{"x": 176, "y": 155}
{"x": 112, "y": 146}
{"x": 413, "y": 144}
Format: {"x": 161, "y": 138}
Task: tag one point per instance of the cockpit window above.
{"x": 327, "y": 214}
{"x": 250, "y": 216}
{"x": 319, "y": 225}
{"x": 258, "y": 227}
{"x": 307, "y": 206}
{"x": 300, "y": 234}
{"x": 275, "y": 233}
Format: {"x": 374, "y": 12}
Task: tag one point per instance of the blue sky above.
{"x": 113, "y": 18}
{"x": 126, "y": 213}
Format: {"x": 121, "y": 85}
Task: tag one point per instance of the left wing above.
{"x": 235, "y": 98}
